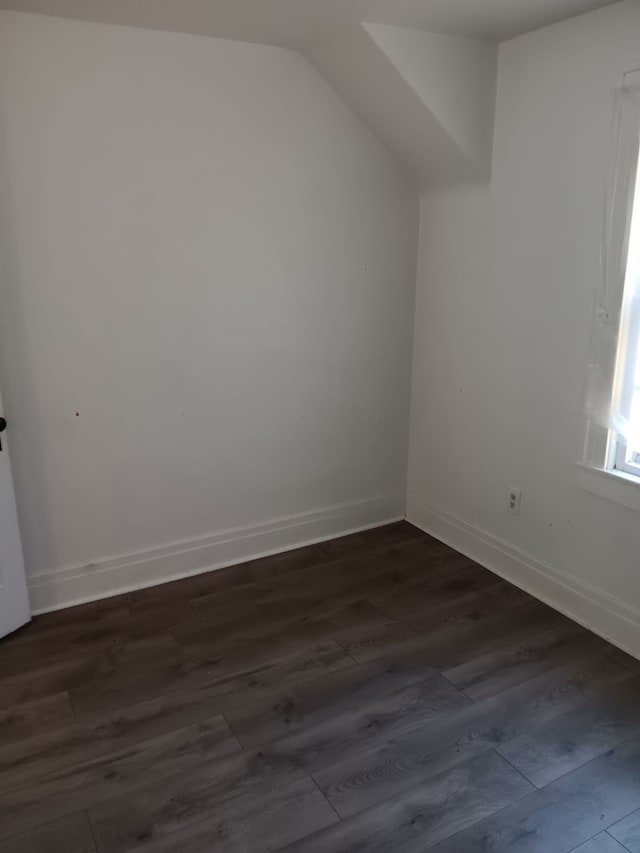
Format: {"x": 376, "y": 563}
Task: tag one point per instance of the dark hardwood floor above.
{"x": 375, "y": 693}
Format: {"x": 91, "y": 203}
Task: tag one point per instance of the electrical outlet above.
{"x": 515, "y": 496}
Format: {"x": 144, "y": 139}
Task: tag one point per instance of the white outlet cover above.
{"x": 515, "y": 497}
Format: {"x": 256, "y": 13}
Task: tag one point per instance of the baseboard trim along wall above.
{"x": 55, "y": 590}
{"x": 601, "y": 613}
{"x": 607, "y": 616}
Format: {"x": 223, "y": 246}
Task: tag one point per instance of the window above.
{"x": 625, "y": 445}
{"x": 610, "y": 465}
{"x": 612, "y": 387}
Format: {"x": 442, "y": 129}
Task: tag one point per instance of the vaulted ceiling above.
{"x": 299, "y": 23}
{"x": 422, "y": 74}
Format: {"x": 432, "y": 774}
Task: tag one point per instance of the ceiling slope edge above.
{"x": 429, "y": 98}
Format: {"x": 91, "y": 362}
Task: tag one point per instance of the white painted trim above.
{"x": 601, "y": 613}
{"x": 102, "y": 579}
{"x": 616, "y": 486}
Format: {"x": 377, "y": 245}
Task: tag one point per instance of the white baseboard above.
{"x": 601, "y": 613}
{"x": 102, "y": 579}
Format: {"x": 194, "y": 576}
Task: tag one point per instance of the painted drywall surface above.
{"x": 354, "y": 64}
{"x": 455, "y": 78}
{"x": 505, "y": 294}
{"x": 429, "y": 98}
{"x": 292, "y": 23}
{"x": 208, "y": 284}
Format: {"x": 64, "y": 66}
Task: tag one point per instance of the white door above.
{"x": 14, "y": 602}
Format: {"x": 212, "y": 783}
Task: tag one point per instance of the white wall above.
{"x": 505, "y": 296}
{"x": 429, "y": 98}
{"x": 455, "y": 78}
{"x": 207, "y": 293}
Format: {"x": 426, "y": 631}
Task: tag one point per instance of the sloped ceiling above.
{"x": 422, "y": 74}
{"x": 299, "y": 23}
{"x": 430, "y": 98}
{"x": 454, "y": 77}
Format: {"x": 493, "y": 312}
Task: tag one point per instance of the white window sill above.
{"x": 614, "y": 486}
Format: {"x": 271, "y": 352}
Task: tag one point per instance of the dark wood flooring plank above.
{"x": 239, "y": 671}
{"x": 391, "y": 765}
{"x": 396, "y": 637}
{"x": 382, "y": 572}
{"x": 453, "y": 644}
{"x": 326, "y": 662}
{"x": 41, "y": 675}
{"x": 627, "y": 832}
{"x": 575, "y": 738}
{"x": 70, "y": 621}
{"x": 319, "y": 700}
{"x": 77, "y": 787}
{"x": 159, "y": 609}
{"x": 315, "y": 622}
{"x": 485, "y": 676}
{"x": 53, "y": 751}
{"x": 331, "y": 551}
{"x": 129, "y": 672}
{"x": 462, "y": 577}
{"x": 24, "y": 721}
{"x": 311, "y": 557}
{"x": 265, "y": 569}
{"x": 421, "y": 817}
{"x": 49, "y": 752}
{"x": 418, "y": 705}
{"x": 237, "y": 825}
{"x": 404, "y": 561}
{"x": 175, "y": 803}
{"x": 68, "y": 835}
{"x": 95, "y": 630}
{"x": 602, "y": 843}
{"x": 563, "y": 815}
{"x": 38, "y": 681}
{"x": 429, "y": 581}
{"x": 497, "y": 599}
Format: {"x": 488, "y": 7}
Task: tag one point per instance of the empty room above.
{"x": 320, "y": 426}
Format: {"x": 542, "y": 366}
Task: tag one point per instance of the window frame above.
{"x": 619, "y": 458}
